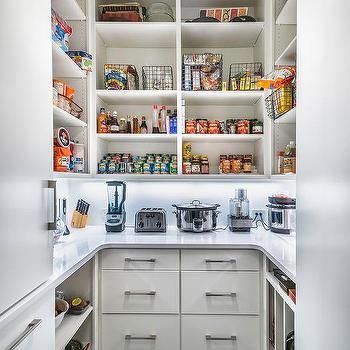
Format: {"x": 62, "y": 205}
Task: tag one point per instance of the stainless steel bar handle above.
{"x": 231, "y": 337}
{"x": 151, "y": 260}
{"x": 30, "y": 328}
{"x": 210, "y": 294}
{"x": 130, "y": 292}
{"x": 208, "y": 261}
{"x": 135, "y": 337}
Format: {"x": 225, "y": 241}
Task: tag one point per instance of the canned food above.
{"x": 173, "y": 168}
{"x": 186, "y": 167}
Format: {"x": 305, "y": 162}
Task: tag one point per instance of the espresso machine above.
{"x": 116, "y": 215}
{"x": 239, "y": 219}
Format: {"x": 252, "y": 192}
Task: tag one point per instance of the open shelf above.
{"x": 68, "y": 327}
{"x": 63, "y": 66}
{"x": 220, "y": 35}
{"x": 287, "y": 118}
{"x": 291, "y": 177}
{"x": 138, "y": 137}
{"x": 68, "y": 175}
{"x": 223, "y": 98}
{"x": 137, "y": 34}
{"x": 68, "y": 9}
{"x": 137, "y": 97}
{"x": 289, "y": 55}
{"x": 219, "y": 138}
{"x": 288, "y": 14}
{"x": 63, "y": 118}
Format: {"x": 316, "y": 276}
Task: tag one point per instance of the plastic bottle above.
{"x": 102, "y": 127}
{"x": 155, "y": 127}
{"x": 163, "y": 120}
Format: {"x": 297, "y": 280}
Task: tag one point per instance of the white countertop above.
{"x": 73, "y": 251}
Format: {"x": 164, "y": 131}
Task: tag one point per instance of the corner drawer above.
{"x": 140, "y": 332}
{"x": 220, "y": 260}
{"x": 140, "y": 259}
{"x": 221, "y": 332}
{"x": 140, "y": 291}
{"x": 213, "y": 292}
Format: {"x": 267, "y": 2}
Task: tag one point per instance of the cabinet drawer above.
{"x": 126, "y": 332}
{"x": 220, "y": 332}
{"x": 220, "y": 260}
{"x": 140, "y": 259}
{"x": 140, "y": 291}
{"x": 225, "y": 292}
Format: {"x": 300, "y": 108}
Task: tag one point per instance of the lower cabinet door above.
{"x": 140, "y": 332}
{"x": 220, "y": 333}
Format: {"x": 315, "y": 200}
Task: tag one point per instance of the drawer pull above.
{"x": 30, "y": 328}
{"x": 130, "y": 292}
{"x": 135, "y": 337}
{"x": 210, "y": 294}
{"x": 231, "y": 337}
{"x": 232, "y": 261}
{"x": 151, "y": 260}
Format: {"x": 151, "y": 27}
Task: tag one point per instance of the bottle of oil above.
{"x": 143, "y": 127}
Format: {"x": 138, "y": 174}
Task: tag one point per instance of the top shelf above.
{"x": 221, "y": 35}
{"x": 68, "y": 9}
{"x": 289, "y": 55}
{"x": 288, "y": 14}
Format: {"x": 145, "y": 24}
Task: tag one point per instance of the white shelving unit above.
{"x": 144, "y": 138}
{"x": 69, "y": 326}
{"x": 63, "y": 118}
{"x": 68, "y": 9}
{"x": 289, "y": 55}
{"x": 288, "y": 14}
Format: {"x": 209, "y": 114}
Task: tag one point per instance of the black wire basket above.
{"x": 202, "y": 72}
{"x": 245, "y": 76}
{"x": 280, "y": 101}
{"x": 157, "y": 77}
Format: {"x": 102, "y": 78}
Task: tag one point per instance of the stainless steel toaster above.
{"x": 150, "y": 220}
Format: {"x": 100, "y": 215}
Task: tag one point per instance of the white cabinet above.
{"x": 140, "y": 332}
{"x": 31, "y": 327}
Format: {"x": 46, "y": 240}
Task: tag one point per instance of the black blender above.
{"x": 116, "y": 215}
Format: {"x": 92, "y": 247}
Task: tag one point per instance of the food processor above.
{"x": 116, "y": 215}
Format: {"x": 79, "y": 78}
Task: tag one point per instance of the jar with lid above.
{"x": 204, "y": 165}
{"x": 243, "y": 126}
{"x": 236, "y": 165}
{"x": 195, "y": 165}
{"x": 257, "y": 126}
{"x": 122, "y": 126}
{"x": 247, "y": 164}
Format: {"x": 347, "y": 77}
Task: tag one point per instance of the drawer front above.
{"x": 140, "y": 291}
{"x": 220, "y": 332}
{"x": 126, "y": 332}
{"x": 217, "y": 292}
{"x": 140, "y": 259}
{"x": 220, "y": 260}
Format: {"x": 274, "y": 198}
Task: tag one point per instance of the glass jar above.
{"x": 122, "y": 126}
{"x": 257, "y": 127}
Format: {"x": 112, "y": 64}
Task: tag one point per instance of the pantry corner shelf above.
{"x": 65, "y": 119}
{"x": 288, "y": 117}
{"x": 63, "y": 66}
{"x": 68, "y": 327}
{"x": 68, "y": 9}
{"x": 288, "y": 14}
{"x": 223, "y": 98}
{"x": 137, "y": 34}
{"x": 289, "y": 55}
{"x": 221, "y": 138}
{"x": 155, "y": 138}
{"x": 220, "y": 35}
{"x": 138, "y": 97}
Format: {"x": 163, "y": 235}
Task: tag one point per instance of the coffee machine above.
{"x": 116, "y": 215}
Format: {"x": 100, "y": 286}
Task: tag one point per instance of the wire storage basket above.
{"x": 280, "y": 101}
{"x": 121, "y": 77}
{"x": 157, "y": 77}
{"x": 202, "y": 71}
{"x": 245, "y": 76}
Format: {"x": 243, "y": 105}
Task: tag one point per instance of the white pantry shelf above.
{"x": 137, "y": 34}
{"x": 63, "y": 66}
{"x": 68, "y": 327}
{"x": 288, "y": 117}
{"x": 68, "y": 9}
{"x": 63, "y": 118}
{"x": 289, "y": 55}
{"x": 291, "y": 177}
{"x": 68, "y": 175}
{"x": 222, "y": 98}
{"x": 220, "y": 35}
{"x": 155, "y": 138}
{"x": 288, "y": 14}
{"x": 221, "y": 138}
{"x": 137, "y": 97}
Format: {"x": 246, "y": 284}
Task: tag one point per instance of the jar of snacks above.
{"x": 213, "y": 127}
{"x": 190, "y": 126}
{"x": 226, "y": 166}
{"x": 243, "y": 127}
{"x": 247, "y": 164}
{"x": 236, "y": 165}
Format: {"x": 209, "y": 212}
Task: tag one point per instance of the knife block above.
{"x": 79, "y": 220}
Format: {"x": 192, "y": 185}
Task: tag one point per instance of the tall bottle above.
{"x": 114, "y": 123}
{"x": 143, "y": 127}
{"x": 155, "y": 125}
{"x": 128, "y": 124}
{"x": 102, "y": 127}
{"x": 163, "y": 120}
{"x": 109, "y": 120}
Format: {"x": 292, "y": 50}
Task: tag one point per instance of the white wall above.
{"x": 163, "y": 194}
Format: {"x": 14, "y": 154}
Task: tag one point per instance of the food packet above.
{"x": 279, "y": 77}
